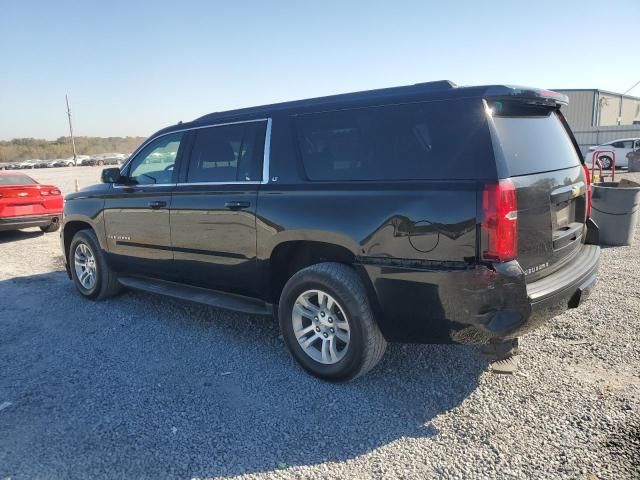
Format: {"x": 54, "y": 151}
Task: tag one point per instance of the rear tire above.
{"x": 347, "y": 299}
{"x": 86, "y": 249}
{"x": 606, "y": 162}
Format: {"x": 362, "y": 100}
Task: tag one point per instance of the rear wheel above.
{"x": 327, "y": 322}
{"x": 606, "y": 162}
{"x": 90, "y": 272}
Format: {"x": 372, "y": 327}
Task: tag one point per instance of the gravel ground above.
{"x": 144, "y": 387}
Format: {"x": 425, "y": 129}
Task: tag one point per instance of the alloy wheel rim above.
{"x": 321, "y": 327}
{"x": 85, "y": 266}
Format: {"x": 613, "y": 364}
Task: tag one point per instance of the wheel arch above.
{"x": 69, "y": 230}
{"x": 291, "y": 256}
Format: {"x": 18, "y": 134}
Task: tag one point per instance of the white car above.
{"x": 65, "y": 162}
{"x": 27, "y": 164}
{"x": 622, "y": 147}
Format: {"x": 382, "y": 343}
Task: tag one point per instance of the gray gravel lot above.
{"x": 144, "y": 387}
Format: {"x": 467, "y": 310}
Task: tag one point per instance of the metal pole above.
{"x": 73, "y": 142}
{"x": 622, "y": 99}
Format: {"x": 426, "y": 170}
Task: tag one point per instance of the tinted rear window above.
{"x": 16, "y": 180}
{"x": 228, "y": 153}
{"x": 533, "y": 144}
{"x": 430, "y": 140}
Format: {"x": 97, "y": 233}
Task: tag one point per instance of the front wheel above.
{"x": 327, "y": 323}
{"x": 89, "y": 269}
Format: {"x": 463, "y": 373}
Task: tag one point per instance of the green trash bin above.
{"x": 614, "y": 208}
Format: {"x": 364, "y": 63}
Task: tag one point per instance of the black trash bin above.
{"x": 614, "y": 207}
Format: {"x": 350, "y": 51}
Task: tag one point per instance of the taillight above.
{"x": 500, "y": 221}
{"x": 44, "y": 193}
{"x": 55, "y": 191}
{"x": 587, "y": 176}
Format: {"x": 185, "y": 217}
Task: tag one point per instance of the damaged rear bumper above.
{"x": 475, "y": 304}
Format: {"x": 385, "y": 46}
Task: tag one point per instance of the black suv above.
{"x": 428, "y": 213}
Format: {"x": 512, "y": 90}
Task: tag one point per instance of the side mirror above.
{"x": 111, "y": 175}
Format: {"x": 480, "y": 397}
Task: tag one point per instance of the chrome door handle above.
{"x": 156, "y": 204}
{"x": 237, "y": 205}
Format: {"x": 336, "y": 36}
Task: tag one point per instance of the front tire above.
{"x": 327, "y": 323}
{"x": 89, "y": 269}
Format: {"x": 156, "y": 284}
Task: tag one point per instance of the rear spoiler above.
{"x": 533, "y": 96}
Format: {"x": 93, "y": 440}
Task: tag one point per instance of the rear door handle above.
{"x": 156, "y": 204}
{"x": 237, "y": 205}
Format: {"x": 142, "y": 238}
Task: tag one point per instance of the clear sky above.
{"x": 132, "y": 67}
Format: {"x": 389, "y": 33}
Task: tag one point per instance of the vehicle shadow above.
{"x": 142, "y": 386}
{"x": 17, "y": 235}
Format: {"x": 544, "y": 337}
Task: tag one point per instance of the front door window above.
{"x": 155, "y": 164}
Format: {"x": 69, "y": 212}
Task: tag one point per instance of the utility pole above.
{"x": 622, "y": 99}
{"x": 73, "y": 142}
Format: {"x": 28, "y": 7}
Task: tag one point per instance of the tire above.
{"x": 52, "y": 227}
{"x": 606, "y": 162}
{"x": 105, "y": 282}
{"x": 365, "y": 346}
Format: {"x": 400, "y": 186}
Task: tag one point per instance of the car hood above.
{"x": 90, "y": 191}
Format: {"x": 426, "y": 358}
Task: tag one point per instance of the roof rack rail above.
{"x": 415, "y": 89}
{"x": 437, "y": 85}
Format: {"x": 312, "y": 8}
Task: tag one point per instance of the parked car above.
{"x": 42, "y": 164}
{"x": 26, "y": 164}
{"x": 620, "y": 147}
{"x": 26, "y": 203}
{"x": 110, "y": 161}
{"x": 427, "y": 213}
{"x": 64, "y": 162}
{"x": 101, "y": 160}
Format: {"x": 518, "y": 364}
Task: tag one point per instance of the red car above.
{"x": 25, "y": 203}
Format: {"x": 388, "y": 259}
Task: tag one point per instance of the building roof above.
{"x": 599, "y": 90}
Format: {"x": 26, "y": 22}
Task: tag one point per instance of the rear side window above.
{"x": 534, "y": 143}
{"x": 429, "y": 140}
{"x": 228, "y": 153}
{"x": 16, "y": 180}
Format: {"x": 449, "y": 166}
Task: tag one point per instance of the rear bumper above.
{"x": 16, "y": 223}
{"x": 566, "y": 288}
{"x": 476, "y": 304}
